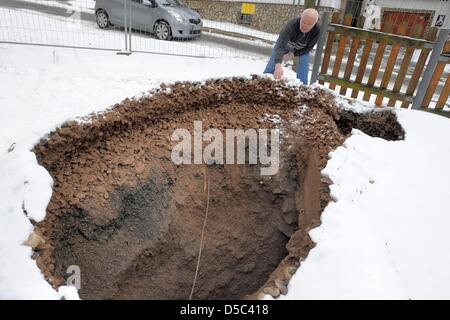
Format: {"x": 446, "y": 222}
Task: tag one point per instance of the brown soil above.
{"x": 131, "y": 219}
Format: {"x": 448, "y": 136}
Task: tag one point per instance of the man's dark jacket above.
{"x": 291, "y": 39}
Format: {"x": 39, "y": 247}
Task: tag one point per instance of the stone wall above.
{"x": 268, "y": 17}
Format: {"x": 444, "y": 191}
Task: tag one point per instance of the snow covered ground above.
{"x": 42, "y": 87}
{"x": 386, "y": 236}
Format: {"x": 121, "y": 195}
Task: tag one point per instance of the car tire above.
{"x": 162, "y": 30}
{"x": 102, "y": 19}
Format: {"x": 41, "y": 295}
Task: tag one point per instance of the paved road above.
{"x": 44, "y": 8}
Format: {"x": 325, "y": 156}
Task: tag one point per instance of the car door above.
{"x": 115, "y": 10}
{"x": 142, "y": 14}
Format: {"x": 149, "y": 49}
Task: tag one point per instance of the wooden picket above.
{"x": 443, "y": 98}
{"x": 329, "y": 46}
{"x": 388, "y": 27}
{"x": 362, "y": 65}
{"x": 420, "y": 39}
{"x": 392, "y": 60}
{"x": 416, "y": 33}
{"x": 340, "y": 50}
{"x": 420, "y": 65}
{"x": 350, "y": 62}
{"x": 435, "y": 80}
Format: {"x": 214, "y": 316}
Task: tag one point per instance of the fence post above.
{"x": 125, "y": 9}
{"x": 431, "y": 66}
{"x": 320, "y": 45}
{"x": 129, "y": 26}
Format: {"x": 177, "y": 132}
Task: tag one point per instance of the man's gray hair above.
{"x": 311, "y": 12}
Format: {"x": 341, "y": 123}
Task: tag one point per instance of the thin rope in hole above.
{"x": 201, "y": 238}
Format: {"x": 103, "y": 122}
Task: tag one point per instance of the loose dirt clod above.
{"x": 131, "y": 219}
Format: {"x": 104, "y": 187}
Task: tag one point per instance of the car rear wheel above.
{"x": 102, "y": 19}
{"x": 162, "y": 31}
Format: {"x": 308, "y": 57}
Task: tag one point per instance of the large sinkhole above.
{"x": 132, "y": 220}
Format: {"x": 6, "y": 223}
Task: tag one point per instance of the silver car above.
{"x": 166, "y": 19}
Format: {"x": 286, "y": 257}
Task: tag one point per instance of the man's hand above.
{"x": 278, "y": 71}
{"x": 287, "y": 57}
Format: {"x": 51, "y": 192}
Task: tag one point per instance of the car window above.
{"x": 171, "y": 2}
{"x": 150, "y": 3}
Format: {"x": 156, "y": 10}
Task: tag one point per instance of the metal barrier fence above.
{"x": 55, "y": 23}
{"x": 131, "y": 26}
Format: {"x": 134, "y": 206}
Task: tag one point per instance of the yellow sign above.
{"x": 248, "y": 8}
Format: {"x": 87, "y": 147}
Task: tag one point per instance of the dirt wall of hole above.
{"x": 131, "y": 219}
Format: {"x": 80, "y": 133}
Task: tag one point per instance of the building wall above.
{"x": 325, "y": 3}
{"x": 270, "y": 15}
{"x": 436, "y": 7}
